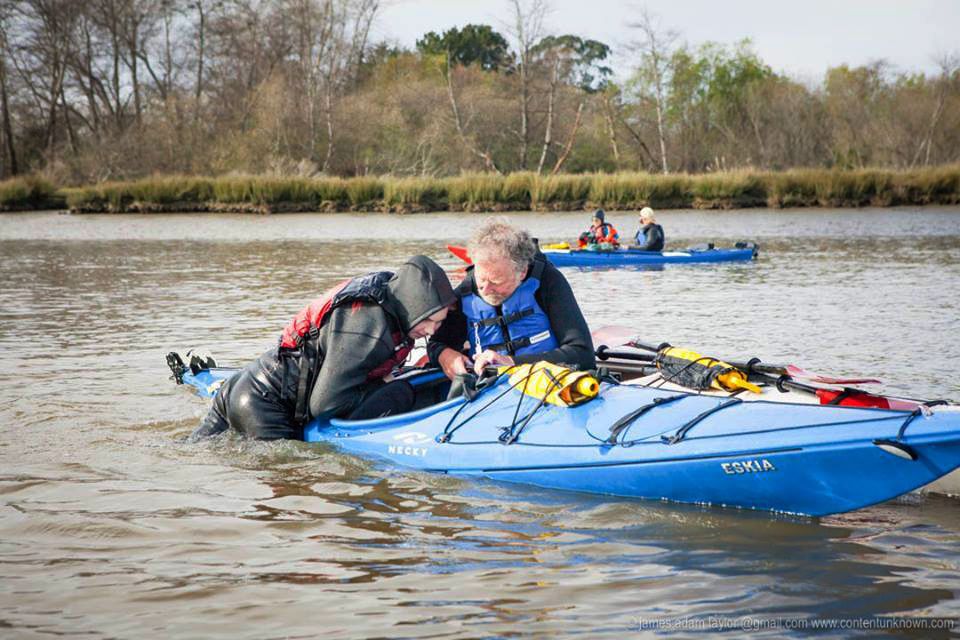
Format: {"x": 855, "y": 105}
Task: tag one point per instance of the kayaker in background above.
{"x": 649, "y": 236}
{"x": 600, "y": 233}
{"x": 333, "y": 356}
{"x": 514, "y": 307}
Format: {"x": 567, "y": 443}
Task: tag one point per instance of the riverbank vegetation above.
{"x": 524, "y": 191}
{"x": 109, "y": 93}
{"x": 29, "y": 193}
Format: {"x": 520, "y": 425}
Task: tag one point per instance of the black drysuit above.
{"x": 354, "y": 340}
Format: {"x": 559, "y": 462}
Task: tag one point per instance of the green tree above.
{"x": 711, "y": 105}
{"x": 581, "y": 60}
{"x": 474, "y": 44}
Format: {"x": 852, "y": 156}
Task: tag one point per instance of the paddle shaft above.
{"x": 776, "y": 375}
{"x": 603, "y": 353}
{"x": 750, "y": 366}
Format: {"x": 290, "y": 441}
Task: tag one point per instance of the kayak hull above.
{"x": 801, "y": 459}
{"x": 806, "y": 481}
{"x": 629, "y": 257}
{"x": 796, "y": 458}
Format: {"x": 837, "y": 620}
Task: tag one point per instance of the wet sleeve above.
{"x": 567, "y": 323}
{"x": 452, "y": 333}
{"x": 354, "y": 343}
{"x": 661, "y": 240}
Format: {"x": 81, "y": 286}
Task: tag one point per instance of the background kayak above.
{"x": 629, "y": 257}
{"x": 563, "y": 257}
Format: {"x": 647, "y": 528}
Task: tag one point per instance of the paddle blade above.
{"x": 613, "y": 335}
{"x": 854, "y": 399}
{"x": 460, "y": 252}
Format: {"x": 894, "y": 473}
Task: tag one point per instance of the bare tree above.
{"x": 157, "y": 42}
{"x": 201, "y": 45}
{"x": 567, "y": 148}
{"x": 134, "y": 14}
{"x": 331, "y": 38}
{"x": 107, "y": 16}
{"x": 654, "y": 45}
{"x": 46, "y": 29}
{"x": 609, "y": 110}
{"x": 949, "y": 64}
{"x": 87, "y": 78}
{"x": 483, "y": 154}
{"x": 526, "y": 29}
{"x": 9, "y": 152}
{"x": 554, "y": 65}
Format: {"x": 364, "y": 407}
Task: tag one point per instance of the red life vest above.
{"x": 310, "y": 318}
{"x": 601, "y": 233}
{"x": 605, "y": 232}
{"x": 355, "y": 291}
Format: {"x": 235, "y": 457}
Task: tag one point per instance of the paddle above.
{"x": 784, "y": 377}
{"x": 845, "y": 396}
{"x": 623, "y": 336}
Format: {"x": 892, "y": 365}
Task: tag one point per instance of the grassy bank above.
{"x": 29, "y": 193}
{"x": 514, "y": 192}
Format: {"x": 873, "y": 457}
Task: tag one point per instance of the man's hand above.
{"x": 488, "y": 358}
{"x": 453, "y": 363}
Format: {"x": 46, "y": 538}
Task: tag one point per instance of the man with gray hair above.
{"x": 514, "y": 307}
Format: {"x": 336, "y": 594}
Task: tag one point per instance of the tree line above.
{"x": 94, "y": 90}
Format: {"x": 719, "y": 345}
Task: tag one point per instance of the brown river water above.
{"x": 111, "y": 526}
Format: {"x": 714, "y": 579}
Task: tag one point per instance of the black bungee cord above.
{"x": 508, "y": 435}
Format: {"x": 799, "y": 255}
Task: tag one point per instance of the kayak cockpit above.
{"x": 430, "y": 386}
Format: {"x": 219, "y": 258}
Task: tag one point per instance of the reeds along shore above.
{"x": 492, "y": 192}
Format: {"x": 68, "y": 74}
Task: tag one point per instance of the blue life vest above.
{"x": 650, "y": 237}
{"x": 519, "y": 327}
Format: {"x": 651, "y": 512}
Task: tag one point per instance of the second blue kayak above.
{"x": 631, "y": 257}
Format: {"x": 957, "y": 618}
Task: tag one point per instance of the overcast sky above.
{"x": 801, "y": 38}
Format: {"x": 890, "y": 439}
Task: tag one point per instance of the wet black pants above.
{"x": 252, "y": 403}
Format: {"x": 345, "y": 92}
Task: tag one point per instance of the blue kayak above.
{"x": 632, "y": 257}
{"x": 655, "y": 443}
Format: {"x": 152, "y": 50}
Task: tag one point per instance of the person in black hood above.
{"x": 333, "y": 356}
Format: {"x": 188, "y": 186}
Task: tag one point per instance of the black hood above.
{"x": 418, "y": 290}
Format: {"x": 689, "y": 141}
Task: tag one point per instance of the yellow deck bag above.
{"x": 552, "y": 383}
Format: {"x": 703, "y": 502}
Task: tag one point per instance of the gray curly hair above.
{"x": 496, "y": 237}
